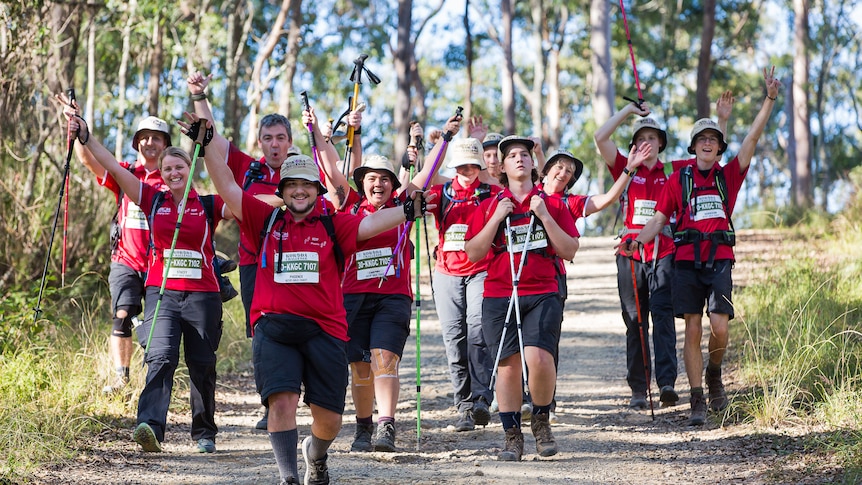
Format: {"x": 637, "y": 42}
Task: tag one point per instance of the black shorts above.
{"x": 376, "y": 321}
{"x": 692, "y": 287}
{"x": 127, "y": 288}
{"x": 290, "y": 351}
{"x": 541, "y": 320}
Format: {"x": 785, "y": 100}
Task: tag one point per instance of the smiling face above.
{"x": 559, "y": 176}
{"x": 299, "y": 196}
{"x": 274, "y": 142}
{"x": 377, "y": 186}
{"x": 151, "y": 144}
{"x": 175, "y": 171}
{"x": 467, "y": 174}
{"x": 707, "y": 144}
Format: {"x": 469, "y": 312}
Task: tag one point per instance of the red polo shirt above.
{"x": 308, "y": 283}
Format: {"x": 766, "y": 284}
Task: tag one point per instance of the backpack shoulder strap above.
{"x": 277, "y": 213}
{"x": 326, "y": 219}
{"x": 686, "y": 179}
{"x": 158, "y": 200}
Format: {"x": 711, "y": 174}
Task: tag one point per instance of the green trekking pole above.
{"x": 198, "y": 136}
{"x": 418, "y": 303}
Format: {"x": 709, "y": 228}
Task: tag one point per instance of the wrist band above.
{"x": 770, "y": 97}
{"x": 198, "y": 96}
{"x": 628, "y": 172}
{"x": 84, "y": 140}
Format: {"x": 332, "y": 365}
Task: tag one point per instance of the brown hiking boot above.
{"x": 717, "y": 395}
{"x": 514, "y": 447}
{"x": 698, "y": 410}
{"x": 541, "y": 427}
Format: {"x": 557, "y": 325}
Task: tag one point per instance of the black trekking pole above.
{"x": 356, "y": 79}
{"x": 70, "y": 143}
{"x": 640, "y": 100}
{"x": 313, "y": 143}
{"x": 644, "y": 343}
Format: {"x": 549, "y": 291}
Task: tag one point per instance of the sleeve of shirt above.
{"x": 218, "y": 208}
{"x": 147, "y": 194}
{"x": 564, "y": 218}
{"x": 255, "y": 214}
{"x": 346, "y": 228}
{"x": 238, "y": 162}
{"x": 671, "y": 196}
{"x": 619, "y": 164}
{"x": 478, "y": 219}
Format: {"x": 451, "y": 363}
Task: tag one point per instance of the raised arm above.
{"x": 723, "y": 108}
{"x": 197, "y": 84}
{"x": 637, "y": 155}
{"x": 336, "y": 182}
{"x": 218, "y": 171}
{"x": 103, "y": 157}
{"x": 607, "y": 148}
{"x": 389, "y": 218}
{"x": 749, "y": 143}
{"x": 429, "y": 171}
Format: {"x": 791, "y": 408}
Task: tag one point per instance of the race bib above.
{"x": 643, "y": 211}
{"x": 135, "y": 218}
{"x": 453, "y": 238}
{"x": 185, "y": 264}
{"x": 708, "y": 207}
{"x": 298, "y": 267}
{"x": 538, "y": 238}
{"x": 371, "y": 263}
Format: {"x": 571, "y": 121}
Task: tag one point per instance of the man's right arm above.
{"x": 197, "y": 84}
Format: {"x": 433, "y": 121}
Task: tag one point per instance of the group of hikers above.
{"x": 325, "y": 278}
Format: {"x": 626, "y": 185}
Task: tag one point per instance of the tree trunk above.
{"x": 553, "y": 110}
{"x": 91, "y": 64}
{"x": 704, "y": 62}
{"x": 157, "y": 61}
{"x": 290, "y": 60}
{"x": 404, "y": 76}
{"x": 602, "y": 85}
{"x": 122, "y": 75}
{"x": 239, "y": 24}
{"x": 507, "y": 78}
{"x": 801, "y": 186}
{"x": 468, "y": 54}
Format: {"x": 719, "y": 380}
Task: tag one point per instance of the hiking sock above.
{"x": 317, "y": 448}
{"x": 284, "y": 449}
{"x": 385, "y": 419}
{"x": 696, "y": 390}
{"x": 541, "y": 409}
{"x": 367, "y": 420}
{"x": 511, "y": 420}
{"x": 123, "y": 372}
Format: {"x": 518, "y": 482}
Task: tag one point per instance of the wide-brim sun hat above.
{"x": 702, "y": 125}
{"x": 151, "y": 123}
{"x": 505, "y": 143}
{"x": 300, "y": 167}
{"x": 565, "y": 155}
{"x": 648, "y": 123}
{"x": 378, "y": 163}
{"x": 466, "y": 151}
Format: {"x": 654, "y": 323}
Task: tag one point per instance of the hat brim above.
{"x": 320, "y": 187}
{"x": 579, "y": 167}
{"x": 722, "y": 145}
{"x": 661, "y": 133}
{"x": 506, "y": 143}
{"x": 138, "y": 135}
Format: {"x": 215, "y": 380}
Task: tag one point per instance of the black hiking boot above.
{"x": 514, "y": 447}
{"x": 541, "y": 427}
{"x": 466, "y": 422}
{"x": 362, "y": 437}
{"x": 481, "y": 413}
{"x": 668, "y": 396}
{"x": 717, "y": 395}
{"x": 384, "y": 439}
{"x": 698, "y": 410}
{"x": 638, "y": 400}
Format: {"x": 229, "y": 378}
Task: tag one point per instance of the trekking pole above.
{"x": 514, "y": 304}
{"x": 418, "y": 303}
{"x": 632, "y": 54}
{"x": 446, "y": 138}
{"x": 643, "y": 340}
{"x": 65, "y": 232}
{"x": 181, "y": 209}
{"x": 313, "y": 143}
{"x": 70, "y": 143}
{"x": 356, "y": 79}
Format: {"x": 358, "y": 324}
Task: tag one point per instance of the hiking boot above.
{"x": 638, "y": 400}
{"x": 698, "y": 410}
{"x": 481, "y": 413}
{"x": 466, "y": 422}
{"x": 384, "y": 439}
{"x": 541, "y": 427}
{"x": 717, "y": 395}
{"x": 668, "y": 396}
{"x": 362, "y": 437}
{"x": 264, "y": 421}
{"x": 145, "y": 437}
{"x": 226, "y": 265}
{"x": 514, "y": 447}
{"x": 206, "y": 445}
{"x": 119, "y": 383}
{"x": 226, "y": 289}
{"x": 289, "y": 481}
{"x": 316, "y": 471}
{"x": 526, "y": 412}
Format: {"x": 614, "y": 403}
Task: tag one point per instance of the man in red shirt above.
{"x": 130, "y": 238}
{"x": 554, "y": 235}
{"x": 703, "y": 198}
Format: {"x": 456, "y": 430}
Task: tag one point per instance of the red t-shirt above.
{"x": 576, "y": 204}
{"x": 452, "y": 226}
{"x": 192, "y": 264}
{"x": 643, "y": 193}
{"x": 362, "y": 270}
{"x": 134, "y": 228}
{"x": 239, "y": 163}
{"x": 705, "y": 212}
{"x": 539, "y": 274}
{"x": 308, "y": 284}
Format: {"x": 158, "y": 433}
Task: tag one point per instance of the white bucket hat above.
{"x": 466, "y": 151}
{"x": 151, "y": 123}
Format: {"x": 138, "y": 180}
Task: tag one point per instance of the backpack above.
{"x": 482, "y": 192}
{"x": 694, "y": 236}
{"x": 325, "y": 219}
{"x": 208, "y": 202}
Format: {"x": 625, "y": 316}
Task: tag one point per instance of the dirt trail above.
{"x": 599, "y": 438}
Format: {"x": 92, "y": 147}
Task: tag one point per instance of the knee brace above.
{"x": 122, "y": 326}
{"x": 358, "y": 379}
{"x": 384, "y": 366}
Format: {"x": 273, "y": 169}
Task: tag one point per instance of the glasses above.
{"x": 703, "y": 139}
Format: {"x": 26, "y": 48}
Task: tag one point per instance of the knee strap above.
{"x": 359, "y": 380}
{"x": 384, "y": 366}
{"x": 122, "y": 326}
